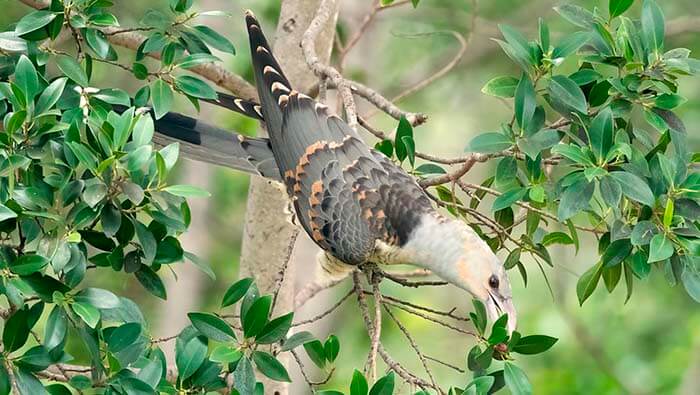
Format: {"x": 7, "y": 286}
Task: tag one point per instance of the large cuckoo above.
{"x": 355, "y": 203}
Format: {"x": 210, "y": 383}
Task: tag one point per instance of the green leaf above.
{"x": 430, "y": 168}
{"x": 28, "y": 264}
{"x": 28, "y": 384}
{"x": 358, "y": 385}
{"x": 481, "y": 385}
{"x": 503, "y": 86}
{"x": 510, "y": 262}
{"x": 588, "y": 282}
{"x": 386, "y": 147}
{"x": 143, "y": 131}
{"x": 16, "y": 330}
{"x": 94, "y": 193}
{"x": 194, "y": 86}
{"x": 50, "y": 95}
{"x": 567, "y": 92}
{"x": 499, "y": 332}
{"x": 297, "y": 339}
{"x": 525, "y": 102}
{"x": 331, "y": 348}
{"x": 5, "y": 385}
{"x": 691, "y": 282}
{"x": 113, "y": 96}
{"x": 314, "y": 349}
{"x": 162, "y": 97}
{"x": 89, "y": 314}
{"x": 601, "y": 133}
{"x": 275, "y": 330}
{"x": 403, "y": 130}
{"x": 186, "y": 191}
{"x": 618, "y": 7}
{"x": 196, "y": 60}
{"x": 148, "y": 242}
{"x": 669, "y": 101}
{"x": 556, "y": 238}
{"x": 97, "y": 42}
{"x": 508, "y": 198}
{"x": 212, "y": 327}
{"x": 576, "y": 15}
{"x": 544, "y": 34}
{"x": 214, "y": 39}
{"x": 71, "y": 68}
{"x": 534, "y": 344}
{"x": 244, "y": 377}
{"x": 26, "y": 78}
{"x": 516, "y": 380}
{"x": 634, "y": 187}
{"x": 256, "y": 317}
{"x": 270, "y": 366}
{"x": 123, "y": 336}
{"x": 236, "y": 291}
{"x": 191, "y": 358}
{"x": 150, "y": 280}
{"x": 100, "y": 298}
{"x": 660, "y": 248}
{"x": 570, "y": 44}
{"x": 652, "y": 26}
{"x": 642, "y": 233}
{"x": 34, "y": 21}
{"x": 575, "y": 199}
{"x": 517, "y": 42}
{"x": 383, "y": 386}
{"x": 225, "y": 354}
{"x": 489, "y": 143}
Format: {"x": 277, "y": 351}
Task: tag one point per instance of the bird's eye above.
{"x": 493, "y": 282}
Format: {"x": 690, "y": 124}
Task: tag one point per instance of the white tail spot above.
{"x": 278, "y": 86}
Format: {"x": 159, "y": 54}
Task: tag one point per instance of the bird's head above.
{"x": 454, "y": 252}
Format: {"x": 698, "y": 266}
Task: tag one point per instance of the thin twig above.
{"x": 414, "y": 345}
{"x": 280, "y": 275}
{"x": 327, "y": 312}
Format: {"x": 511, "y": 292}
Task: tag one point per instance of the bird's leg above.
{"x": 329, "y": 273}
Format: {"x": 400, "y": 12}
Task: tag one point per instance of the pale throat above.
{"x": 447, "y": 247}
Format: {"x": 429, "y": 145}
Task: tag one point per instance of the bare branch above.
{"x": 414, "y": 345}
{"x": 308, "y": 45}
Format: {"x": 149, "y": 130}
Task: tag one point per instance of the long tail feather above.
{"x": 273, "y": 86}
{"x": 206, "y": 143}
{"x": 246, "y": 107}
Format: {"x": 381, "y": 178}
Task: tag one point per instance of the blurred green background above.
{"x": 650, "y": 345}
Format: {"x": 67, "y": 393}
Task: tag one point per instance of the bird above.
{"x": 354, "y": 202}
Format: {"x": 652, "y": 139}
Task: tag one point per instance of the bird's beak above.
{"x": 496, "y": 305}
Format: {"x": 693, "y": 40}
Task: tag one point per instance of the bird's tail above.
{"x": 246, "y": 107}
{"x": 206, "y": 143}
{"x": 273, "y": 86}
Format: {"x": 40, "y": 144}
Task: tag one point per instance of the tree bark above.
{"x": 268, "y": 233}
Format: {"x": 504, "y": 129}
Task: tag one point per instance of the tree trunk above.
{"x": 267, "y": 232}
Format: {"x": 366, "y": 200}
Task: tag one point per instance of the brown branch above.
{"x": 414, "y": 345}
{"x": 327, "y": 312}
{"x": 308, "y": 46}
{"x": 283, "y": 269}
{"x": 384, "y": 104}
{"x": 393, "y": 365}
